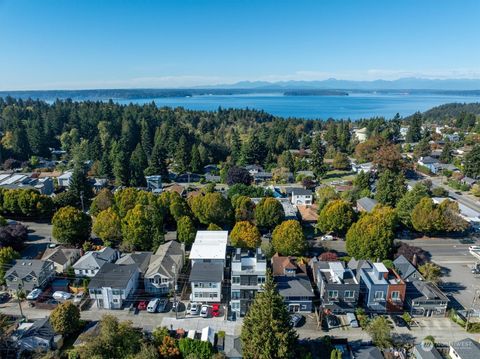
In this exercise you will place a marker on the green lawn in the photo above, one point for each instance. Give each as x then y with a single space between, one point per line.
337 175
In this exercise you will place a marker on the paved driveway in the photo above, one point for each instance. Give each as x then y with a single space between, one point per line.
39 236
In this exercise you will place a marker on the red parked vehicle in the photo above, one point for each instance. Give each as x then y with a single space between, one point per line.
142 305
215 310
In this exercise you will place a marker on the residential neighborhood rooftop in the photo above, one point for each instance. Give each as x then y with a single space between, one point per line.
209 245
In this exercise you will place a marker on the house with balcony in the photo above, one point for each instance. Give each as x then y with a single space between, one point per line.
28 274
248 275
113 284
293 283
339 289
207 258
164 266
384 289
300 196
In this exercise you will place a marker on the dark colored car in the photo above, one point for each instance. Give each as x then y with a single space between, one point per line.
232 316
296 320
142 305
4 297
399 321
332 321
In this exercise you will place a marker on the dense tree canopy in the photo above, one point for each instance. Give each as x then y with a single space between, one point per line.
71 226
288 238
372 236
336 217
269 213
245 235
65 318
107 226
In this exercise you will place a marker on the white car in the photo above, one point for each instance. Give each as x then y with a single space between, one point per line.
152 305
195 308
60 295
474 248
326 237
34 294
206 311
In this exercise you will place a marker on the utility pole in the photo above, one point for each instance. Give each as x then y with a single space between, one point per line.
469 312
174 268
19 289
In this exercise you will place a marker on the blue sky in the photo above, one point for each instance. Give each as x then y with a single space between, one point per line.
109 44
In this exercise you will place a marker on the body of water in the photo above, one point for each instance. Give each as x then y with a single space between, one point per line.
354 106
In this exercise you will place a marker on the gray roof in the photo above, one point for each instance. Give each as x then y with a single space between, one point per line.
233 346
467 348
301 192
367 203
94 259
298 286
425 291
430 353
113 275
404 268
60 254
167 255
24 267
141 259
206 272
41 328
368 353
428 160
357 265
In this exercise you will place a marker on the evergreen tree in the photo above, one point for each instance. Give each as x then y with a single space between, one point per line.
20 144
318 155
119 159
145 138
236 148
414 133
472 162
253 151
446 155
390 188
80 187
105 168
157 163
138 162
182 155
266 330
195 161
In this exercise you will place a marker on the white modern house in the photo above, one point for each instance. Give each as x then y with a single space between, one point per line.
90 263
64 179
248 276
208 262
113 284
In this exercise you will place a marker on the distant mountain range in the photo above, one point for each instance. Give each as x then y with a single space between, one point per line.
408 83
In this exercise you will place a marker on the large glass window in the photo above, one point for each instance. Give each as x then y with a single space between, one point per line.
332 294
379 295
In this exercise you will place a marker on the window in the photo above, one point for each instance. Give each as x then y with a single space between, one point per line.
236 280
235 295
116 292
235 306
396 295
349 294
379 295
261 280
332 294
115 300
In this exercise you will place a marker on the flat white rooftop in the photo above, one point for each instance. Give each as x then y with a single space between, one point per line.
209 245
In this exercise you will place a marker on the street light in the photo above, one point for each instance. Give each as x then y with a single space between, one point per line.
19 293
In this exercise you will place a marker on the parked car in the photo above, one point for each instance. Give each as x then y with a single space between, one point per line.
152 305
162 305
52 245
352 320
216 310
4 297
474 248
142 305
60 295
34 294
296 319
194 308
399 321
176 306
326 237
332 321
206 311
